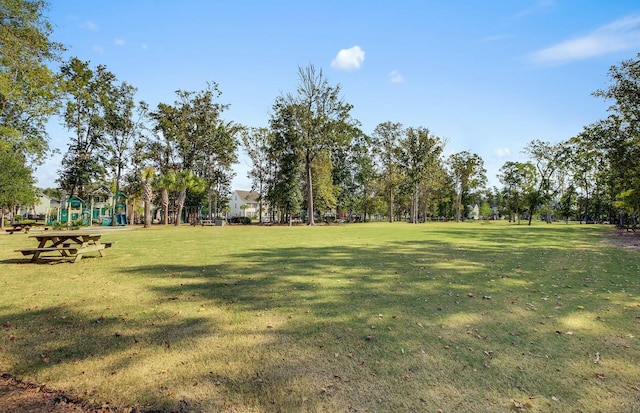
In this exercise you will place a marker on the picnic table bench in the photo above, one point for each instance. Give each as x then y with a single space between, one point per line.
66 245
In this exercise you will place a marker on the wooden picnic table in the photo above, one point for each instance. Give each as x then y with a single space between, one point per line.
26 226
71 245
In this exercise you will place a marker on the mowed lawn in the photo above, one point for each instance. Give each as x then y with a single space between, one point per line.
374 317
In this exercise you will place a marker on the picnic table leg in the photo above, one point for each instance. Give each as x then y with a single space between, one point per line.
41 244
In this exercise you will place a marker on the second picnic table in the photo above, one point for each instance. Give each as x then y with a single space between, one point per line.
70 245
26 226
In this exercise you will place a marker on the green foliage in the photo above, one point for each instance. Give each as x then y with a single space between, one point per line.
83 163
468 173
192 138
319 119
28 87
16 179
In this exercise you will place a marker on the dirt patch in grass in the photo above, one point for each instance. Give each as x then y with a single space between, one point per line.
19 397
626 240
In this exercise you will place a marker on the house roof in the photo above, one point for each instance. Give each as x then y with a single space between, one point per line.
248 196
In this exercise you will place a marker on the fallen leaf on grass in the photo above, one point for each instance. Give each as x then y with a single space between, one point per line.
600 375
519 405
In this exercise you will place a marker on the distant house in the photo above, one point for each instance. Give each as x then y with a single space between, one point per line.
44 205
474 212
244 204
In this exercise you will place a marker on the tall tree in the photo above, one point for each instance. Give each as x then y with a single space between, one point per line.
123 126
585 163
284 190
548 160
193 138
619 136
215 165
519 183
420 153
29 92
84 116
16 182
468 173
385 141
321 119
256 142
364 174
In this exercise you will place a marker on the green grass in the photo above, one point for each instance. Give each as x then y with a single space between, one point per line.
369 317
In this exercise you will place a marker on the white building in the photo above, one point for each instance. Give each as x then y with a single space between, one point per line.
244 204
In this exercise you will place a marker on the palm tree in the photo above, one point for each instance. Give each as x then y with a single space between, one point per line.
166 183
147 189
186 181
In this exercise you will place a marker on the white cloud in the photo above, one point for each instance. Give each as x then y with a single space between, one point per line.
144 46
502 153
622 34
396 77
119 42
98 49
348 59
89 25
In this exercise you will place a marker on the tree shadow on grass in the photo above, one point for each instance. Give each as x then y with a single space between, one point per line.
44 339
459 310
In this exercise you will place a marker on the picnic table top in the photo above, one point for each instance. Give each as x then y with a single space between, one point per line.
59 234
26 224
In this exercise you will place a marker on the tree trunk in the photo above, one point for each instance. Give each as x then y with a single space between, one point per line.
181 198
210 196
414 205
310 217
165 206
147 213
390 205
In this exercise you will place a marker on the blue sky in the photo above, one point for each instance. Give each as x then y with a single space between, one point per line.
489 76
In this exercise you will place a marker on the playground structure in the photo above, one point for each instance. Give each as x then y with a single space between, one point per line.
76 210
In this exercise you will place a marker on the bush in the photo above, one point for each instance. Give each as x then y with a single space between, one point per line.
59 225
246 221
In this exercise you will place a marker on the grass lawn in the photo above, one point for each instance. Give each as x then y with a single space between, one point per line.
378 317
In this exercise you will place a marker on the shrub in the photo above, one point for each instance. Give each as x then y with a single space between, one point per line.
246 221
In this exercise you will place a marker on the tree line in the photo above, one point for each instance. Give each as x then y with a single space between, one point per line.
312 161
